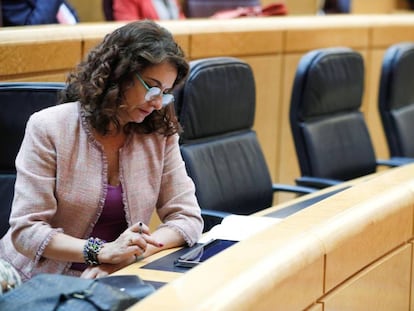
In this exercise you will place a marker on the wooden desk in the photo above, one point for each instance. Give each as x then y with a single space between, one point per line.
351 251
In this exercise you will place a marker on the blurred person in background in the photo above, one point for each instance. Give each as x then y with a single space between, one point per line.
35 12
129 10
337 6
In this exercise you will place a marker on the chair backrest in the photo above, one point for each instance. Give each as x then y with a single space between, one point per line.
17 102
396 99
329 131
6 194
206 8
216 108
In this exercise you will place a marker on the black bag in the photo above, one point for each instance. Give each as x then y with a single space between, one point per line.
48 292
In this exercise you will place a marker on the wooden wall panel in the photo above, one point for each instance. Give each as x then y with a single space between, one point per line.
38 53
372 114
89 43
38 59
383 286
307 284
88 11
235 43
301 7
309 38
50 77
369 241
368 7
267 70
382 36
289 165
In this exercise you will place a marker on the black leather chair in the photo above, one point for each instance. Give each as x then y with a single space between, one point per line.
18 101
396 101
206 8
329 131
216 108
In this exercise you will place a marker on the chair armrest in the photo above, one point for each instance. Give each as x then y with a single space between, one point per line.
395 161
293 188
317 182
212 218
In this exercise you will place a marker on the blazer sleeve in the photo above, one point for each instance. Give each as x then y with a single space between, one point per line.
177 205
34 203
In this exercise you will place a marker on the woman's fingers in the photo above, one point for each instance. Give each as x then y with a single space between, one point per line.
152 241
138 242
140 228
131 242
143 230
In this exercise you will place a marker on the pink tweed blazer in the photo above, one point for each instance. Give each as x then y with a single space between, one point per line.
60 187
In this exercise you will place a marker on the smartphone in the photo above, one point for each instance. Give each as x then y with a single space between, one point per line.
201 253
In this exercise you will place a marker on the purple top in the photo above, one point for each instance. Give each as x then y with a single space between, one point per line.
112 221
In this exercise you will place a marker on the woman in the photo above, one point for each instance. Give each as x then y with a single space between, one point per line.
91 172
129 10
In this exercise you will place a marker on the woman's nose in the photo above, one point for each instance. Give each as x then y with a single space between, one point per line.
157 103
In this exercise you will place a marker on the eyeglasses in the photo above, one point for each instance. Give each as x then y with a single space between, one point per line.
155 92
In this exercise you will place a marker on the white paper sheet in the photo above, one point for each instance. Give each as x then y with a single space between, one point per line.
238 227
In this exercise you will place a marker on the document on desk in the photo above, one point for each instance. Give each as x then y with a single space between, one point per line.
238 227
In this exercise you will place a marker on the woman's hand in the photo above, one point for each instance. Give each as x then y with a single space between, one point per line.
132 242
102 270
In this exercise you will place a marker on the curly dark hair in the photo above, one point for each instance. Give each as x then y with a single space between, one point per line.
99 82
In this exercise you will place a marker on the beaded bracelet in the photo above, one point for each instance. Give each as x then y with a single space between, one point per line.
91 250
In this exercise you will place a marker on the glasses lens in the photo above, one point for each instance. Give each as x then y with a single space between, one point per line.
167 99
153 93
